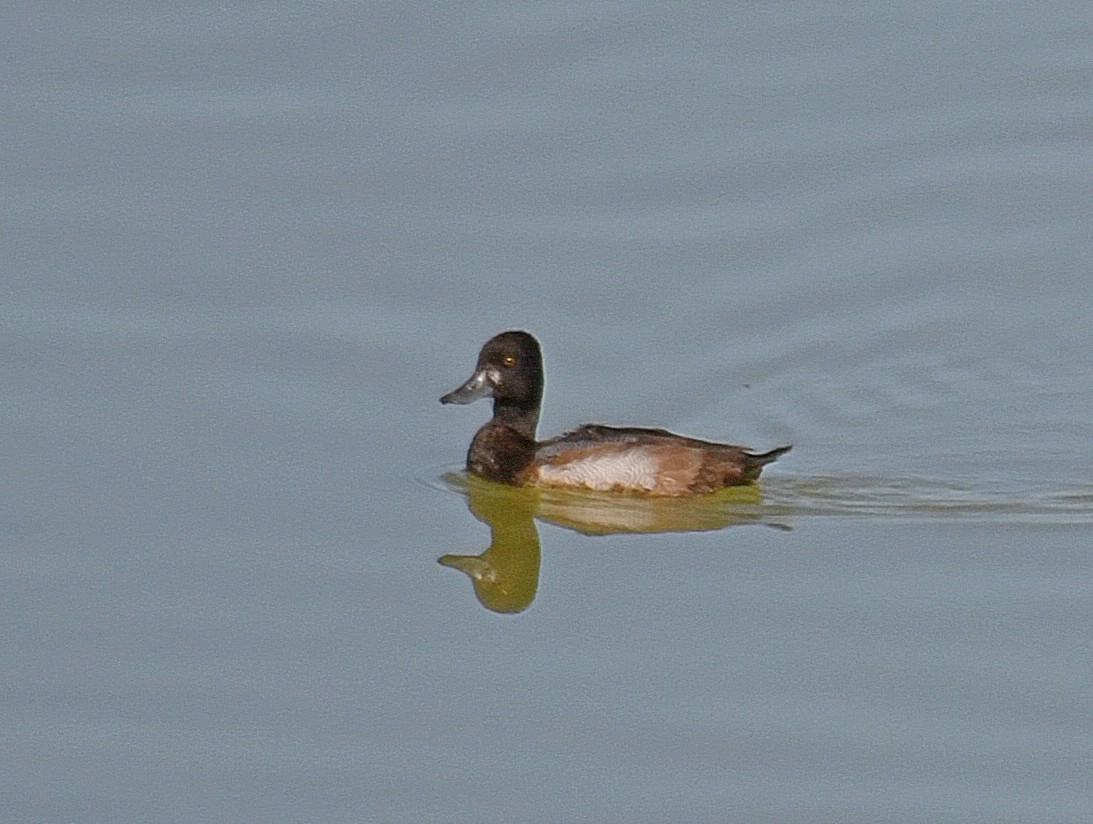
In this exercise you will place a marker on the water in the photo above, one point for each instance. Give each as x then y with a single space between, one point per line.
246 250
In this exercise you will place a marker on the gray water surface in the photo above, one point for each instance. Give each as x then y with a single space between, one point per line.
247 247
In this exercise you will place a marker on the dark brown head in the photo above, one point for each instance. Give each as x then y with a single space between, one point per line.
509 370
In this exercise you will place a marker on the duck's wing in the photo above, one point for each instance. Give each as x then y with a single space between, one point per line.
595 434
591 435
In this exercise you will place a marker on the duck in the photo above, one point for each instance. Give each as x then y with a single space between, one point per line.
624 459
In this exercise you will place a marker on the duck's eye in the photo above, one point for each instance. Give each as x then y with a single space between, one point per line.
509 360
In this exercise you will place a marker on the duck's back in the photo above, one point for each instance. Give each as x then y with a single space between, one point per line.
649 461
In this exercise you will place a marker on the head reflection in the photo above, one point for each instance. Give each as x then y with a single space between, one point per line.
506 575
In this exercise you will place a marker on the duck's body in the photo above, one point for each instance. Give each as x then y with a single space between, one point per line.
593 456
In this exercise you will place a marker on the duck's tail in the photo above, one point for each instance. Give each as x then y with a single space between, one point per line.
763 458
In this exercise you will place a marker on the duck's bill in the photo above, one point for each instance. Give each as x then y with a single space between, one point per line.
478 386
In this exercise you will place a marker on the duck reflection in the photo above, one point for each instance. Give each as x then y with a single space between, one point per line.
506 575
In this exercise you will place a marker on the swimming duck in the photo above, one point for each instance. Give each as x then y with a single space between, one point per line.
592 456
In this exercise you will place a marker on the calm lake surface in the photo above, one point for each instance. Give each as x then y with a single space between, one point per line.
248 246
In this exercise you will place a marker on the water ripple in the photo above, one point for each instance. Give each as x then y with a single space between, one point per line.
923 498
786 498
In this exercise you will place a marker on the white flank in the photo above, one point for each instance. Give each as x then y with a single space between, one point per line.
632 469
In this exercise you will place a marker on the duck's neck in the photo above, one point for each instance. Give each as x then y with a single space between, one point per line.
520 418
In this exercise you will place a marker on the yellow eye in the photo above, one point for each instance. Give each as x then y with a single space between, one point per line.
509 360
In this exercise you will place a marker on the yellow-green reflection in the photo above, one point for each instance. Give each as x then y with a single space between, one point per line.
506 575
